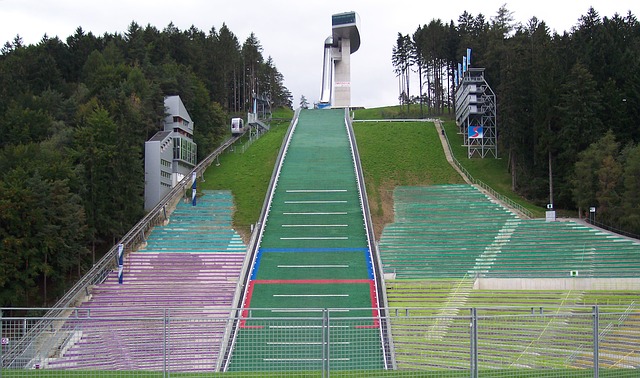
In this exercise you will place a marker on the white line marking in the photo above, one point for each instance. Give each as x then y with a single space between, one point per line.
315 201
298 310
308 310
316 190
330 213
301 359
308 295
318 238
313 266
315 225
307 343
318 326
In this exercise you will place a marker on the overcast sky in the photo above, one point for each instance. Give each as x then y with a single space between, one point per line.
291 32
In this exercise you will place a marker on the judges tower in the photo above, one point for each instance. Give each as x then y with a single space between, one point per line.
336 74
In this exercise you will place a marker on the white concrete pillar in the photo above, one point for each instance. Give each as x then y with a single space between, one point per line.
342 85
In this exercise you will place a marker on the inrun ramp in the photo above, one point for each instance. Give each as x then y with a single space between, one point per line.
312 255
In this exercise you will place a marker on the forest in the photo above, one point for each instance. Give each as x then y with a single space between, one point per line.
567 103
74 117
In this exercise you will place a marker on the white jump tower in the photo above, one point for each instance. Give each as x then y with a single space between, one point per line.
336 70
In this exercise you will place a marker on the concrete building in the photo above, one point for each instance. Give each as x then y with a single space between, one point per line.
170 154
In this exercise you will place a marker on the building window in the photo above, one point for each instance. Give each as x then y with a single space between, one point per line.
180 120
176 148
184 150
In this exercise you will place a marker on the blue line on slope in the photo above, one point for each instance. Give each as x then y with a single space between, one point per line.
314 249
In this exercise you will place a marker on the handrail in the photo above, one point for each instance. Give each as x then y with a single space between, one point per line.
385 328
99 272
500 197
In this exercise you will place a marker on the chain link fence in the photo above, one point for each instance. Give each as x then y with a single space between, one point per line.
598 341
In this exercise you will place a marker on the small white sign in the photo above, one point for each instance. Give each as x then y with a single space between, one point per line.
550 216
5 341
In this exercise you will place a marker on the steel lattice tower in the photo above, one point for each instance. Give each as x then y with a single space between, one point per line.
476 114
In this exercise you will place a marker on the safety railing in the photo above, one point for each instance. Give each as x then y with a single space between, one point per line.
231 333
387 343
555 341
500 197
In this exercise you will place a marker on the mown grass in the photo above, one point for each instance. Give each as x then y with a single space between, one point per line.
493 172
282 114
246 171
399 154
391 112
392 154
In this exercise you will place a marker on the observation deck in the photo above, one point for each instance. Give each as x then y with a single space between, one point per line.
346 26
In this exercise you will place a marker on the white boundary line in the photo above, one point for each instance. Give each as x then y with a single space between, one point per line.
320 213
315 225
313 266
308 295
317 238
315 201
316 190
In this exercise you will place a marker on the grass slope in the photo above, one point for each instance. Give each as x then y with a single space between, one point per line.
391 153
392 112
396 153
399 153
493 172
246 171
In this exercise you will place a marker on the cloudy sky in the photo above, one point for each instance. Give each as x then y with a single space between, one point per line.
291 32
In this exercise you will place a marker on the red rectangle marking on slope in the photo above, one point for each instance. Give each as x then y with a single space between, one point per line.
375 313
374 308
312 281
245 312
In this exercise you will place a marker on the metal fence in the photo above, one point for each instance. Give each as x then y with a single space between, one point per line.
598 341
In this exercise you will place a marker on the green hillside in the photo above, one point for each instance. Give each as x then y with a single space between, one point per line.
391 153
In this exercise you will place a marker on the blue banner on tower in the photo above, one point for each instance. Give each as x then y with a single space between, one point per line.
468 57
476 132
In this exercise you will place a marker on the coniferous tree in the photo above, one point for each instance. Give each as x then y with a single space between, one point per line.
75 117
556 93
402 59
